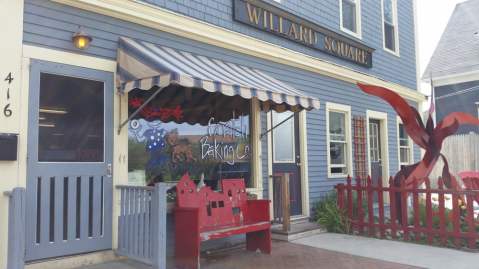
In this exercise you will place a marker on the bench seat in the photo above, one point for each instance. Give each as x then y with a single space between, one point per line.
230 231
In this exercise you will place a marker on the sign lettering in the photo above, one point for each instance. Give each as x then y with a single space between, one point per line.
7 111
269 18
223 141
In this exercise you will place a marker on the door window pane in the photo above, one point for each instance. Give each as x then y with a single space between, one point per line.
70 119
283 137
375 153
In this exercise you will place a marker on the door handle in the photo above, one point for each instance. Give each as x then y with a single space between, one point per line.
109 170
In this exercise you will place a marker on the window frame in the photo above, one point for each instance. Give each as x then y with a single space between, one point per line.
358 33
334 107
396 28
410 145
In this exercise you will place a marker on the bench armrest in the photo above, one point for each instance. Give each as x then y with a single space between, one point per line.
258 210
187 219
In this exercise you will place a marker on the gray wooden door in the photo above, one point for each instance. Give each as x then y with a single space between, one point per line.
375 153
70 148
286 159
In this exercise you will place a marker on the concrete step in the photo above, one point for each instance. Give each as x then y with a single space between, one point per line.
298 230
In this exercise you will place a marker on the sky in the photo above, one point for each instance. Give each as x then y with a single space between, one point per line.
432 16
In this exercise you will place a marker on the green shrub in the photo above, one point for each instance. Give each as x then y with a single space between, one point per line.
329 216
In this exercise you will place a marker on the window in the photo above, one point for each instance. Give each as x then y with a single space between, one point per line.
168 138
350 16
405 146
390 26
338 140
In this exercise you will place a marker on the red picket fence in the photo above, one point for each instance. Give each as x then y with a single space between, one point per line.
411 213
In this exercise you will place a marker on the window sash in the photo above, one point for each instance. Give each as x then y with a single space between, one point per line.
404 159
405 147
390 25
349 14
341 163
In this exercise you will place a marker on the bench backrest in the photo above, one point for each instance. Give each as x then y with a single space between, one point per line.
217 209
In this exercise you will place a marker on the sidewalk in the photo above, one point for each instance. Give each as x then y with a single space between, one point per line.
284 256
393 251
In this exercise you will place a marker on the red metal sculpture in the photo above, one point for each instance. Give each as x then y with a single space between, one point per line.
427 136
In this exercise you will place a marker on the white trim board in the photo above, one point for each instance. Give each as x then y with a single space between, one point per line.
454 79
181 25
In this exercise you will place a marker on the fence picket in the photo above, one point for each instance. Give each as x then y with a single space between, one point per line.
350 197
370 200
381 207
359 191
416 210
411 211
472 234
429 214
404 206
392 207
456 220
442 218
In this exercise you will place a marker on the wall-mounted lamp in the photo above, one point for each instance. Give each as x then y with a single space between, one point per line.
81 40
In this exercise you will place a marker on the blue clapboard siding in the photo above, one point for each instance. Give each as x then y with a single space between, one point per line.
326 13
463 102
51 25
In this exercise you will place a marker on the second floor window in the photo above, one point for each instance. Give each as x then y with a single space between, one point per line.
351 17
390 28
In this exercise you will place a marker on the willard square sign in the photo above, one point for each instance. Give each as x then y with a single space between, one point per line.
274 20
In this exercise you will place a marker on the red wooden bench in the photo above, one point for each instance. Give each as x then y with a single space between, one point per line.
201 215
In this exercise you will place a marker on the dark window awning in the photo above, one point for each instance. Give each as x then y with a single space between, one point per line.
145 66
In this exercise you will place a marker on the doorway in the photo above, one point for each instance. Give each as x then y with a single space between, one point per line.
286 158
69 167
377 140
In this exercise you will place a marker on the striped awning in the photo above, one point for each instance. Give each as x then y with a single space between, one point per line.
143 65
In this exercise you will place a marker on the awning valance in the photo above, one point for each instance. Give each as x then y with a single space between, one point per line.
143 65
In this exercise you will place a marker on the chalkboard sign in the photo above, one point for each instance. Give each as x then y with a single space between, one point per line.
8 147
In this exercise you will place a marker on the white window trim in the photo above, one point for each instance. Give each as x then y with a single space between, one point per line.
411 145
358 33
396 28
349 149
